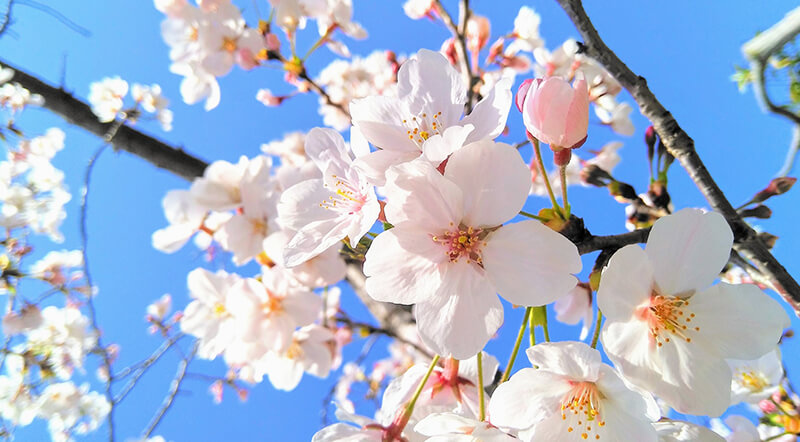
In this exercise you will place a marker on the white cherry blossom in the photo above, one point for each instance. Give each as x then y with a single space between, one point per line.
450 254
667 329
450 427
208 316
572 396
325 211
757 379
430 99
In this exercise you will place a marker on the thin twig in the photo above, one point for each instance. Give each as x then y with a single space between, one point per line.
459 35
6 21
681 146
90 296
173 392
140 368
365 351
371 329
57 15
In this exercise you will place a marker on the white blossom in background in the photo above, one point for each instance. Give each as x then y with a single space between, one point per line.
325 269
152 101
450 254
290 149
106 97
65 337
70 409
208 316
417 9
430 99
59 267
576 306
606 158
159 309
185 216
572 395
18 402
15 97
667 329
358 77
757 379
526 32
325 211
6 74
311 351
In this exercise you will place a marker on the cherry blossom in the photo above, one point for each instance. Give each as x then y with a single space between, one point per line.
449 252
667 330
451 427
106 97
555 112
430 99
757 379
677 431
325 211
572 395
309 352
208 316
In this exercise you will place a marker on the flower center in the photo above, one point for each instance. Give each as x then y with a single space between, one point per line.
219 310
581 407
295 351
228 44
345 197
668 316
751 380
423 127
463 242
272 305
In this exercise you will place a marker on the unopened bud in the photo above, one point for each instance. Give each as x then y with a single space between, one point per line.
267 98
768 239
595 176
650 139
496 49
760 211
622 190
777 186
449 50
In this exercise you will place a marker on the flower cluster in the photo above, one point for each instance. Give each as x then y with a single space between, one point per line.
107 98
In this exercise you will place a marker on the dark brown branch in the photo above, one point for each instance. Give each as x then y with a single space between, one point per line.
682 147
126 138
612 242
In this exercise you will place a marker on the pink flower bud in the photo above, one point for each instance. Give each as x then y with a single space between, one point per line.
266 97
555 112
272 41
478 29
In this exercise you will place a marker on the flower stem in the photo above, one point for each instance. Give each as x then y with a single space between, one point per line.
530 215
597 328
562 172
413 401
538 152
507 372
532 330
481 392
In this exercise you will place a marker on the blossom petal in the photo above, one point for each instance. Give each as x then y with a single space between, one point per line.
463 313
688 250
626 283
530 264
418 195
494 180
529 397
402 266
574 360
490 114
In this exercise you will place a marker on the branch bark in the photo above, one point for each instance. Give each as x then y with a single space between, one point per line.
681 146
126 138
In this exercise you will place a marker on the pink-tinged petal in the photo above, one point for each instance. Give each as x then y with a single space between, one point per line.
402 266
530 264
302 306
626 283
529 397
688 249
358 143
737 321
417 195
459 318
363 221
577 116
493 179
683 374
375 164
522 93
438 147
490 114
574 360
401 388
314 239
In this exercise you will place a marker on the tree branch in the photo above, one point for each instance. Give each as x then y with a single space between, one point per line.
681 146
126 138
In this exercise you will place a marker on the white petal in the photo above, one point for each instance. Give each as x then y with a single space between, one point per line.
688 250
494 180
418 195
490 114
402 266
529 397
737 321
460 317
530 264
574 360
626 283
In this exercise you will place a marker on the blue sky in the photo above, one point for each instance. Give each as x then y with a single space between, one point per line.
685 49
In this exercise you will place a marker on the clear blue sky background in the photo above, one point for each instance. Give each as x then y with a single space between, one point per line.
685 49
